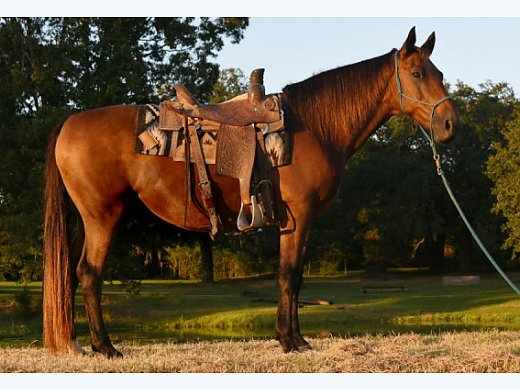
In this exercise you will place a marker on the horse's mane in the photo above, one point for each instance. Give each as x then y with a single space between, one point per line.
338 102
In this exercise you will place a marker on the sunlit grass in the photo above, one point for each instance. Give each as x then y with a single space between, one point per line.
180 310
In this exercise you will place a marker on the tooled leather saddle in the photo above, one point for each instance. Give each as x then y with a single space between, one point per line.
242 125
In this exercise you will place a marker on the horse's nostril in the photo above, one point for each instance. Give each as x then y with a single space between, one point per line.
447 125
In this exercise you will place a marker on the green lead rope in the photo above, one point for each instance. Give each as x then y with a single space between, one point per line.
440 172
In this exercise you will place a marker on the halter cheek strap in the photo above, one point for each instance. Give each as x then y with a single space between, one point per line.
403 95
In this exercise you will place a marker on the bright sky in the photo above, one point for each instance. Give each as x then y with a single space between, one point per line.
477 40
291 49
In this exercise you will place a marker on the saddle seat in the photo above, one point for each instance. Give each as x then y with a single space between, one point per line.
251 107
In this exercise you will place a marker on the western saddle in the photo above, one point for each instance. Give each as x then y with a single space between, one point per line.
242 123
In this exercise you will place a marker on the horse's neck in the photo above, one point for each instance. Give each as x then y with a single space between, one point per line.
344 107
365 132
376 112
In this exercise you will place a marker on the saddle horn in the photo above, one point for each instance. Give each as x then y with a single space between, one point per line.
257 76
256 91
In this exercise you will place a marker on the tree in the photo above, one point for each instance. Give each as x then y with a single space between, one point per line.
33 102
483 113
231 82
503 168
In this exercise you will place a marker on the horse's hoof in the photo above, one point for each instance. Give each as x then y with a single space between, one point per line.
109 351
301 343
287 344
74 349
304 346
114 354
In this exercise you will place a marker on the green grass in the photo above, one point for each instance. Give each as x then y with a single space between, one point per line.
171 310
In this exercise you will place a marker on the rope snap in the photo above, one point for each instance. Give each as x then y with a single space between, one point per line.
437 159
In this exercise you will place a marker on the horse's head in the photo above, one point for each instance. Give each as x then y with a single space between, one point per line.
420 91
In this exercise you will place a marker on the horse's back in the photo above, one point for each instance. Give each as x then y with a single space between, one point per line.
100 125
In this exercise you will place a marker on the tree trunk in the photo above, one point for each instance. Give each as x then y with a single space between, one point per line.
153 266
206 252
436 252
464 251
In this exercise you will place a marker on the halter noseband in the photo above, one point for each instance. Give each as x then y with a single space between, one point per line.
403 95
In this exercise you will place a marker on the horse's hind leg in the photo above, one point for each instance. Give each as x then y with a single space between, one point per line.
74 347
98 234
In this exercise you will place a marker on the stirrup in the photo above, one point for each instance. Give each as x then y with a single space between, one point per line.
257 219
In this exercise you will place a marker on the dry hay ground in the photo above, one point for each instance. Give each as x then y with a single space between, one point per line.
491 351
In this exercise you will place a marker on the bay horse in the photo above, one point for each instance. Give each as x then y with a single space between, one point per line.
91 161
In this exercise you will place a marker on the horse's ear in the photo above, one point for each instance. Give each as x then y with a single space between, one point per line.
409 44
428 46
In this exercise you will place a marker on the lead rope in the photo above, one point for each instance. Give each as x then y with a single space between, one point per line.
440 172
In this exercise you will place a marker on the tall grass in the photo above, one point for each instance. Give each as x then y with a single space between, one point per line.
491 351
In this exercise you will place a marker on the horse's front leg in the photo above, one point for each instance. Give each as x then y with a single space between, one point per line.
298 340
292 248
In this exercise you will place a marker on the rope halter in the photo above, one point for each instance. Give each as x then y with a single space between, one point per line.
403 95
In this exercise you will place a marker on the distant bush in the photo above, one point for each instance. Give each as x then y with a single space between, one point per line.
25 305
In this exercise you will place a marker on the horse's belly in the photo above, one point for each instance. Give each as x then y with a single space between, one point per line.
161 185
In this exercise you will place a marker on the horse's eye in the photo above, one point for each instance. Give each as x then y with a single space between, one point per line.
417 75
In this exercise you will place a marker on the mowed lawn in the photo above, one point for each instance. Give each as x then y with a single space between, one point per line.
171 311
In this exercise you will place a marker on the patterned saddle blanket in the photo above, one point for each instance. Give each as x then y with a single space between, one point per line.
154 140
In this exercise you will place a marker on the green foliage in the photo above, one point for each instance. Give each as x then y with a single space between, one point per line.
231 83
184 261
328 261
256 252
25 305
233 257
504 170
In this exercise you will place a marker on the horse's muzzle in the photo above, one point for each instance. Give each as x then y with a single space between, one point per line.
445 128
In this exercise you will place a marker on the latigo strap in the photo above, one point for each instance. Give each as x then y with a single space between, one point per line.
204 183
